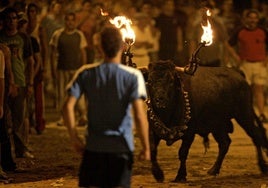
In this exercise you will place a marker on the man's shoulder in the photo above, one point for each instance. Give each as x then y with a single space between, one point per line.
18 36
58 31
129 69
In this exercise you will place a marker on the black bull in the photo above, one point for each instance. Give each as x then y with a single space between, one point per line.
181 106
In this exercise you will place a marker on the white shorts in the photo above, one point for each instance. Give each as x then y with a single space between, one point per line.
256 72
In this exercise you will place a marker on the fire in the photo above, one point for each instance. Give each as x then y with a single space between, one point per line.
124 25
207 37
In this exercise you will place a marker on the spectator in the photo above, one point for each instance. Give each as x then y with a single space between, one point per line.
230 18
251 41
22 62
33 30
50 23
111 89
144 40
68 50
3 175
148 9
5 155
171 35
6 158
86 22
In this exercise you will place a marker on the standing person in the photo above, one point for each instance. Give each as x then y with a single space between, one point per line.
68 50
22 68
86 22
52 21
144 42
3 175
251 56
171 38
111 89
33 30
6 159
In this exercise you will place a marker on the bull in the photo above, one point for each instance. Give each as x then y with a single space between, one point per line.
182 105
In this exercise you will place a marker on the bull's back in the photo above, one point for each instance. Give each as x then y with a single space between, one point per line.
218 91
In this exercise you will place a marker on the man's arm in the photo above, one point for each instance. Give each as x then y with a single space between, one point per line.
69 122
84 56
142 128
30 74
53 60
12 91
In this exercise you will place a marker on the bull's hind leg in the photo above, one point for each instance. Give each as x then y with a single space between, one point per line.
224 141
254 128
187 141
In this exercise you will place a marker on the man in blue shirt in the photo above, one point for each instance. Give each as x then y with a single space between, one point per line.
112 90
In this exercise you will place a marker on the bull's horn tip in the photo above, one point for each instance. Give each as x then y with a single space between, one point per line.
180 69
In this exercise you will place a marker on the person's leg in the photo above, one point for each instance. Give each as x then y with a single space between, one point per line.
90 172
259 80
119 170
7 162
39 106
259 96
17 106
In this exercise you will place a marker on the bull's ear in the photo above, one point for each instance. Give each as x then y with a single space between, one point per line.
144 71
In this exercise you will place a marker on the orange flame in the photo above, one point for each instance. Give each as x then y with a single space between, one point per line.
207 37
124 25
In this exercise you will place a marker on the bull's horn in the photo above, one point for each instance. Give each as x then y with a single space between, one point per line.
180 69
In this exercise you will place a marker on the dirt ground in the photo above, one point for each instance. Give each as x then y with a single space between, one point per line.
56 164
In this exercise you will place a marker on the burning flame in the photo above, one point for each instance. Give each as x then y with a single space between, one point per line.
124 25
207 36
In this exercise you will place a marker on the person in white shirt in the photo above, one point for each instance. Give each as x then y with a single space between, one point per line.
144 40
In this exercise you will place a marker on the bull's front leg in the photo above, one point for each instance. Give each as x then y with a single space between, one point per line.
187 141
156 170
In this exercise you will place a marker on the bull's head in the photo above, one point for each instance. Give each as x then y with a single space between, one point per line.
161 83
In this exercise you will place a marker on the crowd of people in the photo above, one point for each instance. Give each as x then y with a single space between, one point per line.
43 43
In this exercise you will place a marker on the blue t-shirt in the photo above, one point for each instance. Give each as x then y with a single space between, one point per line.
110 89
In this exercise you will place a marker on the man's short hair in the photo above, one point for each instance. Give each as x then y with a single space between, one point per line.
111 41
69 14
7 11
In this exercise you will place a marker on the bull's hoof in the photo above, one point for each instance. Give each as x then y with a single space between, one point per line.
264 168
180 180
213 172
158 174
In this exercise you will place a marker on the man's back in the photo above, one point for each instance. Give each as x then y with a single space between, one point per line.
110 89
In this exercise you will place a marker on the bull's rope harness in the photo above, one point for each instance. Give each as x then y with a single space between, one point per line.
170 135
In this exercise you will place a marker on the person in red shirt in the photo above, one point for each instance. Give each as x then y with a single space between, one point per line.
251 42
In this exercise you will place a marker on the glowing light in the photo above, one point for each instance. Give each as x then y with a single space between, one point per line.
207 37
124 25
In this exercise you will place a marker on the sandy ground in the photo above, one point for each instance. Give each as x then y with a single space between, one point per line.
56 164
